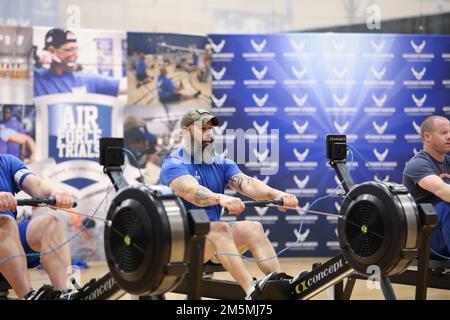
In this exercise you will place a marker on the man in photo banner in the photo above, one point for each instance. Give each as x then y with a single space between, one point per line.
199 176
64 75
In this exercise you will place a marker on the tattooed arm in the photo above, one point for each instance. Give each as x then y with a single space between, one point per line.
189 189
258 190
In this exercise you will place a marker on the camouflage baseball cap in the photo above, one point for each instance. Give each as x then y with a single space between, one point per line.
202 115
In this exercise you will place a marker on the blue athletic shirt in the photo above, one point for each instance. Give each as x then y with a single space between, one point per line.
140 67
165 87
212 176
46 82
12 174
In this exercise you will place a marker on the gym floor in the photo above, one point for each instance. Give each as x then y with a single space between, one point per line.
291 266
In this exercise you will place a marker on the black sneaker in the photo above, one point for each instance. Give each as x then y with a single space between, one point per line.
67 294
257 287
46 292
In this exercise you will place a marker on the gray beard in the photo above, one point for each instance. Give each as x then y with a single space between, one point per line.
200 154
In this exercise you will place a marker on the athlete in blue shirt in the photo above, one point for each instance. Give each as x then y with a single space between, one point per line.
11 122
142 77
61 76
199 177
427 177
168 92
39 234
8 136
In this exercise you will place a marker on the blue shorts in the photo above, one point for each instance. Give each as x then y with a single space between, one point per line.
440 240
32 261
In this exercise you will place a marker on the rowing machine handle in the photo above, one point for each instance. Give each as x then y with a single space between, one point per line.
261 203
40 201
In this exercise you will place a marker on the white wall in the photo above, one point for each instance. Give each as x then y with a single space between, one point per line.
213 16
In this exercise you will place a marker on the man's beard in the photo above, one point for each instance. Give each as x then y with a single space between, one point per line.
198 152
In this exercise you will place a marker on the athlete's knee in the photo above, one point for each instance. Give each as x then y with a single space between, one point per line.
250 228
8 227
54 225
221 228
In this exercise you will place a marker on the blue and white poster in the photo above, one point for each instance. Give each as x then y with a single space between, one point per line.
79 92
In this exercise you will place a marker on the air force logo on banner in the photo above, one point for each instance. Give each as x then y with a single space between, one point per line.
416 136
336 50
379 81
258 47
261 108
418 74
418 82
381 162
380 129
218 107
298 45
378 52
261 157
300 108
301 156
300 128
217 48
381 156
262 217
339 73
377 179
418 48
378 47
343 128
418 54
259 52
299 51
419 108
379 102
339 78
301 189
301 243
419 101
338 45
378 74
299 74
261 129
379 106
300 135
218 75
300 163
380 137
260 74
260 102
300 101
221 135
300 78
261 132
259 160
341 103
218 102
218 82
301 215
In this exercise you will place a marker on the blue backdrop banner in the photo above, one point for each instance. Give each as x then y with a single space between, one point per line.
288 91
